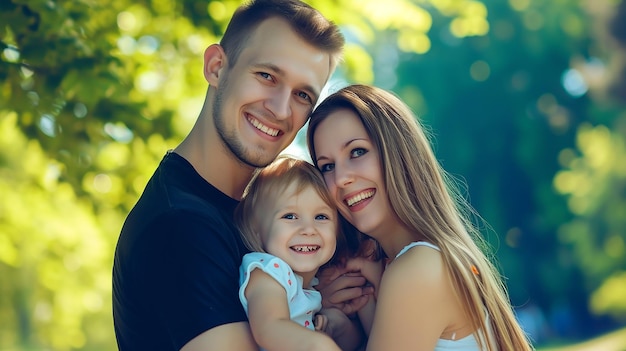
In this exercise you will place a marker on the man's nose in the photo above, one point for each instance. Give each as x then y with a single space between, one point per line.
280 104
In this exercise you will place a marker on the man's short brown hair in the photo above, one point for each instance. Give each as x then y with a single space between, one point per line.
306 21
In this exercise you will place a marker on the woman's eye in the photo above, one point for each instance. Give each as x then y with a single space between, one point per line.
358 152
305 96
326 167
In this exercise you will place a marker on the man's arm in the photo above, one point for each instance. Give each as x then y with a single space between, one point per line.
232 336
199 302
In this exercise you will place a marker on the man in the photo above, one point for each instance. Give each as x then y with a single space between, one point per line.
175 274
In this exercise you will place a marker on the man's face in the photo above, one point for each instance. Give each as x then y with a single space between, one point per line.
266 96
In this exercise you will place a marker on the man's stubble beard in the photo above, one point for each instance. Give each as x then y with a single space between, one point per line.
229 138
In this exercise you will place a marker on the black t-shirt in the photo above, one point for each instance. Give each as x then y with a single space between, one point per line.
176 267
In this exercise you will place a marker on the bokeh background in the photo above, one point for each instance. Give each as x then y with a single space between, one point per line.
525 100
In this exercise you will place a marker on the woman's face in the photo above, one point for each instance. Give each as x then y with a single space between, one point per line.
352 171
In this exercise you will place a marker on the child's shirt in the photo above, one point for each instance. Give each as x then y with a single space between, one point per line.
303 303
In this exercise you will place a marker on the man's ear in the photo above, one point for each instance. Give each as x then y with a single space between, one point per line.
214 61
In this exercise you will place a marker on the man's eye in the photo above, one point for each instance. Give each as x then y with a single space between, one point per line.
358 152
327 167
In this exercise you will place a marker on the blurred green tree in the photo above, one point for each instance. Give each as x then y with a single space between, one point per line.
593 175
506 108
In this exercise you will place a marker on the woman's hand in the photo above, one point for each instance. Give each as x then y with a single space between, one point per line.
371 270
348 288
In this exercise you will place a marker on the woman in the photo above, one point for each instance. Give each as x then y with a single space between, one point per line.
439 290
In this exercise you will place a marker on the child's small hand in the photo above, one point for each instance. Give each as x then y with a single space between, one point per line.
345 332
331 321
320 322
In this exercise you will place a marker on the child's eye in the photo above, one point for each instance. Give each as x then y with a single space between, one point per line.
326 167
321 216
289 216
358 152
265 75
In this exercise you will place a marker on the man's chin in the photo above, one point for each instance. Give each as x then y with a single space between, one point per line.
258 161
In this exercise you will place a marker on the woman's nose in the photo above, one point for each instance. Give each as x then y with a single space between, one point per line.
343 176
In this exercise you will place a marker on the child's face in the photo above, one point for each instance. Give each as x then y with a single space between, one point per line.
299 228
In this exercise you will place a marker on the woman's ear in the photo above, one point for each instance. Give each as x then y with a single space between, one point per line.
214 61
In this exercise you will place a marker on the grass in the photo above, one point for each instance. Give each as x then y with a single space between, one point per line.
613 341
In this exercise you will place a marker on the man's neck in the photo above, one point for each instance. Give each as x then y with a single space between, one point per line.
215 163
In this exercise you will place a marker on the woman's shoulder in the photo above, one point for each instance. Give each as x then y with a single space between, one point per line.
417 284
418 259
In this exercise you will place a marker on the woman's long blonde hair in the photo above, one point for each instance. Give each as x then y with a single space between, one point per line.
426 199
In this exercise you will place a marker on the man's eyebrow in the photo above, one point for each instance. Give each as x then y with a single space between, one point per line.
279 71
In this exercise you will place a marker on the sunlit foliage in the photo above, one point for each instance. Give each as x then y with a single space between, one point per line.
594 180
54 250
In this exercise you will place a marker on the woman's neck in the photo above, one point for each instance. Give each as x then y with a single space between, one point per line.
396 238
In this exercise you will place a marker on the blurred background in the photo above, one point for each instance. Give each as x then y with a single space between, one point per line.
525 100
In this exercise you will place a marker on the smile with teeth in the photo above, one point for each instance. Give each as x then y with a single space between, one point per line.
305 248
262 127
359 197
